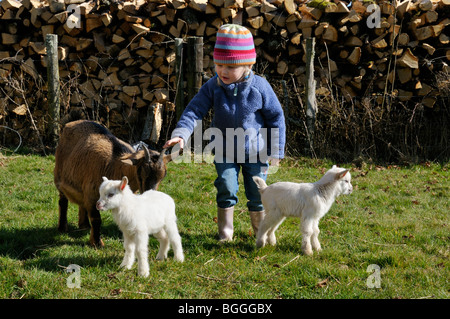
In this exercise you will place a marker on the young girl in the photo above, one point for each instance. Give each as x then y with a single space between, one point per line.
242 102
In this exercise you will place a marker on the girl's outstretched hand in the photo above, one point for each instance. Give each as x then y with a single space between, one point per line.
173 141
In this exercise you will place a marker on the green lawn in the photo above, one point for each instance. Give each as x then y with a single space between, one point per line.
397 218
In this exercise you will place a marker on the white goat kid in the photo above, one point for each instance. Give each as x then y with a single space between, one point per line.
309 201
138 216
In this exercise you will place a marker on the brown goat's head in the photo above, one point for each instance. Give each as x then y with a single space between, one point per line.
150 165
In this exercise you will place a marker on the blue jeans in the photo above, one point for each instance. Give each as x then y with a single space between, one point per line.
227 183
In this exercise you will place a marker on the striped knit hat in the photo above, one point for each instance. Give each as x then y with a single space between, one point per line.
234 46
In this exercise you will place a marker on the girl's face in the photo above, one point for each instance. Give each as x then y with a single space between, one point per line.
230 74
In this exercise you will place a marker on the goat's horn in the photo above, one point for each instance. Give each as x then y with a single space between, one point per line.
146 152
161 156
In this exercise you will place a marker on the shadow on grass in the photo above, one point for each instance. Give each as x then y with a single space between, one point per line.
194 243
26 243
38 246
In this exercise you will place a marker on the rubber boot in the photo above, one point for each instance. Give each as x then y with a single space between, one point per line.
225 223
256 218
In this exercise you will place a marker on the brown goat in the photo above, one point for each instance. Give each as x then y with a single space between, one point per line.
87 151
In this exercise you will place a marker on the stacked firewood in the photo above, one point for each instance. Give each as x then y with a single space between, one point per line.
117 58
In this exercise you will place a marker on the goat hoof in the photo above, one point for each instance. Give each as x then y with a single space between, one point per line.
260 244
144 271
308 252
161 257
179 258
97 244
126 265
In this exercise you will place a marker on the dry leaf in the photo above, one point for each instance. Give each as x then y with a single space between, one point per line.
116 292
22 283
322 283
21 110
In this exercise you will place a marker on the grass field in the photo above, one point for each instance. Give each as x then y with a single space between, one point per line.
397 219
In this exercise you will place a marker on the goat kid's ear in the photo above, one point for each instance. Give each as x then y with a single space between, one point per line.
104 178
341 174
123 183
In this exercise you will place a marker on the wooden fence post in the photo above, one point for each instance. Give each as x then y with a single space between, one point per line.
51 43
311 104
179 68
194 65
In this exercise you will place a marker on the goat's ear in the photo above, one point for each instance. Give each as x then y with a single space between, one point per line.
341 174
132 159
334 166
123 183
127 161
104 178
140 157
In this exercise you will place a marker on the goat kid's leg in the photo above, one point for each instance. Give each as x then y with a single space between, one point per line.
164 244
307 232
315 236
130 246
96 222
271 238
141 239
267 228
175 241
264 227
63 204
261 236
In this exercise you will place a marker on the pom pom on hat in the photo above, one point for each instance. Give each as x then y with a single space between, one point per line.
234 46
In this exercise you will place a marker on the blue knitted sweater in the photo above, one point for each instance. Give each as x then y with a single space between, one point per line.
250 106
